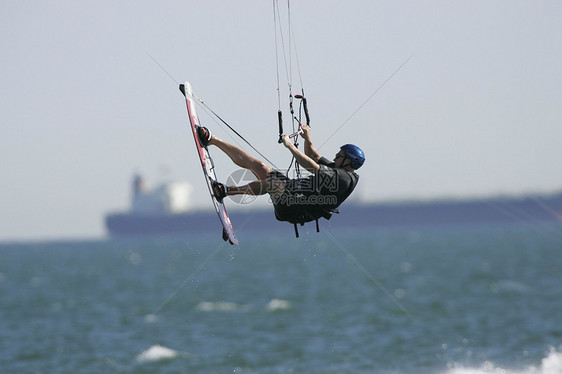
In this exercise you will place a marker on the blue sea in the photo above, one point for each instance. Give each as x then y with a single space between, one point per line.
451 300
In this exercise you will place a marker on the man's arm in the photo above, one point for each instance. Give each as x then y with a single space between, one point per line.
309 148
302 159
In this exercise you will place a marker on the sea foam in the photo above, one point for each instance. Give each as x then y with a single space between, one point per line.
158 353
551 364
278 304
220 306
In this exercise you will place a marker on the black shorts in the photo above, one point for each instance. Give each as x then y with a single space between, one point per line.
284 205
293 204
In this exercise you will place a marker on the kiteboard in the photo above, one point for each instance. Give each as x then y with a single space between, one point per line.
207 164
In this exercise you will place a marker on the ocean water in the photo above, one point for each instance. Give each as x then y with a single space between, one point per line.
455 300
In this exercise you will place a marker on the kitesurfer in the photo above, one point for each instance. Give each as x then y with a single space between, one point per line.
295 200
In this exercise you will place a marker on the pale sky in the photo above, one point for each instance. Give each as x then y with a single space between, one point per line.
476 111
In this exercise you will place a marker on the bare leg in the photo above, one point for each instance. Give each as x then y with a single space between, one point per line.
271 185
258 187
264 184
242 159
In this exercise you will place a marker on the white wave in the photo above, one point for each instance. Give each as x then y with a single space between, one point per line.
509 286
221 306
151 318
551 364
158 353
278 304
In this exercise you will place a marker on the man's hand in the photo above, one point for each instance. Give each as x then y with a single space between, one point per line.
305 130
286 141
302 159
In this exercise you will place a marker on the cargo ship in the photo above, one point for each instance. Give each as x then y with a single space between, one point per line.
166 210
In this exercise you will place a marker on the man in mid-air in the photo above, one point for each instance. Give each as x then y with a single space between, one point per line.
294 200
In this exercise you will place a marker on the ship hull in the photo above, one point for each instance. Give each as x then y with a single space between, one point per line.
535 209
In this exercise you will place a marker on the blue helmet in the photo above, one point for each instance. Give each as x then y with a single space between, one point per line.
354 154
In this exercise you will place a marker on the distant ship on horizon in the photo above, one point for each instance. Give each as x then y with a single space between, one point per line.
166 210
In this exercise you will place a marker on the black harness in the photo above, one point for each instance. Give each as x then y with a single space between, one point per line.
309 213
